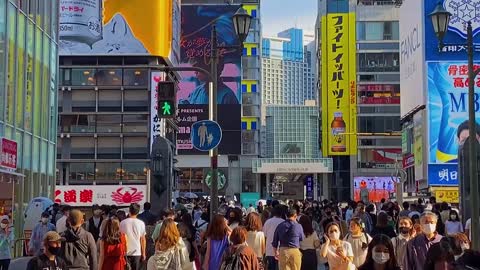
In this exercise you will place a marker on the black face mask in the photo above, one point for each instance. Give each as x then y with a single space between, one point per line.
404 230
54 250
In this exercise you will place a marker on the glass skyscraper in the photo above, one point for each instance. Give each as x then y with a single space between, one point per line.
28 101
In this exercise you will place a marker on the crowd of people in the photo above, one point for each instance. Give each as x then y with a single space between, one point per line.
297 235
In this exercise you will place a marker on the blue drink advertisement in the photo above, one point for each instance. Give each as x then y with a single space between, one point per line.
448 108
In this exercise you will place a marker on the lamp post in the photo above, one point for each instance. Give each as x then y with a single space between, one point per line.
440 19
241 22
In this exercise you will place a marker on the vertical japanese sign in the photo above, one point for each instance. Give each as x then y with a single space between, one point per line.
339 98
8 151
156 123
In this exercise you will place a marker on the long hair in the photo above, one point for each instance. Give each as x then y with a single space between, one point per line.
169 235
111 231
217 229
441 251
380 239
306 223
253 222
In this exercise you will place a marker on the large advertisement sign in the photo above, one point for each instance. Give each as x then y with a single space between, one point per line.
197 22
462 11
8 154
108 194
111 27
447 194
339 98
412 56
373 189
448 117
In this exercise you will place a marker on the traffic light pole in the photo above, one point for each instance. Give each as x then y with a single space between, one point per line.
212 93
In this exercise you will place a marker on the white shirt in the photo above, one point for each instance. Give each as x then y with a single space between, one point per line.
256 240
468 226
61 224
269 229
250 210
309 242
133 228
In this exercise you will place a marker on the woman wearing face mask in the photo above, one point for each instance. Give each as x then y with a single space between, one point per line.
359 241
339 253
6 241
453 224
380 255
405 233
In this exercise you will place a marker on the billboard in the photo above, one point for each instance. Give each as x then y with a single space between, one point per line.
8 154
443 174
373 189
446 194
88 195
462 11
339 93
112 27
412 56
192 95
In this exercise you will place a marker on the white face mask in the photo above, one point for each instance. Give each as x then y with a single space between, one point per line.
380 257
429 228
334 236
3 225
44 220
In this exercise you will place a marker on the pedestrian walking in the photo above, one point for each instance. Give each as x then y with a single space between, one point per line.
440 256
147 216
135 231
6 240
113 247
453 225
217 242
239 255
339 253
36 243
255 236
79 250
309 245
405 233
170 253
380 255
288 236
359 241
269 230
94 223
383 227
49 259
61 225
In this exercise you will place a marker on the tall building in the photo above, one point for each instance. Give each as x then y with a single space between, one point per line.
28 98
377 133
239 116
287 69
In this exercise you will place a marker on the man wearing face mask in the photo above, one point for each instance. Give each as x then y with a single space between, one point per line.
38 233
49 260
94 223
418 247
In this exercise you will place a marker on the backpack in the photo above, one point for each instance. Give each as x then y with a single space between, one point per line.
232 261
168 260
197 231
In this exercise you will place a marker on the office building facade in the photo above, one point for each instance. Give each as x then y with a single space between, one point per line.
28 98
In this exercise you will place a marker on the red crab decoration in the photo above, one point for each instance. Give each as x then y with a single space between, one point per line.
126 197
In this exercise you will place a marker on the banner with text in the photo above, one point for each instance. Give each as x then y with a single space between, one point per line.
339 93
108 194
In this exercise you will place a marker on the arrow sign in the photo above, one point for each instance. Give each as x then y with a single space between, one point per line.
206 135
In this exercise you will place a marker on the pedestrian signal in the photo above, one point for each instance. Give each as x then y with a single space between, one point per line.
166 105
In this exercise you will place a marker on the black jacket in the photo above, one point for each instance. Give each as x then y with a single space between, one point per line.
43 263
79 250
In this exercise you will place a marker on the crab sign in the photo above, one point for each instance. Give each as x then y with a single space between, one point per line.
125 197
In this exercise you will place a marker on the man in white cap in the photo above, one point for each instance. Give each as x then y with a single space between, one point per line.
49 259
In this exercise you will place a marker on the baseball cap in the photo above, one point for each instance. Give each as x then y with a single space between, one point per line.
52 236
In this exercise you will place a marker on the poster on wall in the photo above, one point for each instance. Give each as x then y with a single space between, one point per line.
111 27
373 189
339 94
192 96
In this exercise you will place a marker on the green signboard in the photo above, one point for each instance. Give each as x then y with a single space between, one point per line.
247 198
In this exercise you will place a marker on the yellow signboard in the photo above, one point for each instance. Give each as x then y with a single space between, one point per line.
339 89
446 194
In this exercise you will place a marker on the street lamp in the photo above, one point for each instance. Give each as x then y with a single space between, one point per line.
440 19
241 22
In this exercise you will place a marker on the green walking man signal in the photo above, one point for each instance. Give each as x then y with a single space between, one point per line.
166 106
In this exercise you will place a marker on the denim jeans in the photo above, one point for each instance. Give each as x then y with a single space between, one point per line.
272 263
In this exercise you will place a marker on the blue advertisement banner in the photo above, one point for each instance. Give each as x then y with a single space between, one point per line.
443 174
448 109
455 39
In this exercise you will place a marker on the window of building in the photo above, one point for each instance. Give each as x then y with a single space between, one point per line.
249 183
135 77
135 147
79 77
136 101
133 123
110 101
82 172
83 101
82 148
109 77
378 124
79 123
386 30
110 172
108 148
109 123
135 171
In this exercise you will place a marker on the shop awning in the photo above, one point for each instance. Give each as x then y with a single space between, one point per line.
10 176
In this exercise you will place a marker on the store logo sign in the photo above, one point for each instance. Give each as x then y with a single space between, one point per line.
462 12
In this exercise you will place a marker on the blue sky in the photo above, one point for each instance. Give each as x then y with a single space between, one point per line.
278 15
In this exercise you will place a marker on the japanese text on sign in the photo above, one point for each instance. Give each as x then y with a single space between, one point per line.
446 176
8 153
459 74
